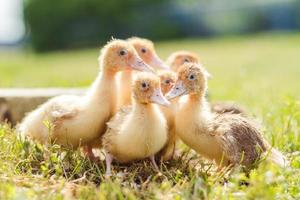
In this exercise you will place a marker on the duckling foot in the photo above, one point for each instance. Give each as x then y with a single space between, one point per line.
88 151
108 160
152 158
167 153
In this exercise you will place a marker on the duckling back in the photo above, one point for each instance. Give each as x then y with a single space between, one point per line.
240 139
40 123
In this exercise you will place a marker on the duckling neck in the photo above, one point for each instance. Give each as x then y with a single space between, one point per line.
103 90
192 121
194 100
194 108
124 85
202 105
143 108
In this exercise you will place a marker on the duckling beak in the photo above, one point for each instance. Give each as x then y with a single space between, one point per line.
140 65
158 97
158 63
177 90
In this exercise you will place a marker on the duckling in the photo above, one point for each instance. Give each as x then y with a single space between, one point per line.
167 80
176 59
145 49
80 120
140 131
228 139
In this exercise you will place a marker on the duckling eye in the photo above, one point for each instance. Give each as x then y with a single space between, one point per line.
191 77
143 50
122 52
144 85
186 60
167 81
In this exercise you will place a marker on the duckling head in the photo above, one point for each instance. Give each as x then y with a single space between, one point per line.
119 55
167 80
178 58
191 79
145 49
146 89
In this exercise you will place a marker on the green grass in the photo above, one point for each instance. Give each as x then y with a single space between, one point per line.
259 72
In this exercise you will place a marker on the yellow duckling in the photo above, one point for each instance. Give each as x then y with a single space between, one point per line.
145 49
228 139
176 59
139 131
76 121
167 80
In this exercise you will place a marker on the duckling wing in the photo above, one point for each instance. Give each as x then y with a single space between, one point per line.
240 139
63 107
113 128
62 114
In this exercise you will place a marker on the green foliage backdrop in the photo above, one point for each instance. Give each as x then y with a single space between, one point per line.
61 24
56 24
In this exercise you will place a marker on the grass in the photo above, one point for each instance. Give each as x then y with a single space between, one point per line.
259 72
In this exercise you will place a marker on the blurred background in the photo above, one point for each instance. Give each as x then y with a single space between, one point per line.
47 25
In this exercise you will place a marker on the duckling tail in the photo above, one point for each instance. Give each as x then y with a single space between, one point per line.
278 158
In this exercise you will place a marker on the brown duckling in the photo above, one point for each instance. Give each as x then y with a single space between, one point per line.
228 139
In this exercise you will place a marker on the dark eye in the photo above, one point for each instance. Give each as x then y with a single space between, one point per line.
122 52
186 60
143 50
167 81
144 85
191 77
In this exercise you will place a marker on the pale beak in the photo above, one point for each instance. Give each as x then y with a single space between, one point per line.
158 63
177 90
140 65
158 97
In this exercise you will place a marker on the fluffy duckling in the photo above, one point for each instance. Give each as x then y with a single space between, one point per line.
76 121
167 80
139 131
176 59
145 49
228 139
